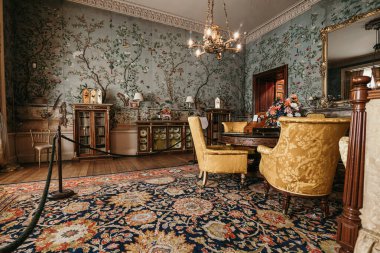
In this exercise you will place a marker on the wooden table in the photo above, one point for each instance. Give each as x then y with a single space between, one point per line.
249 140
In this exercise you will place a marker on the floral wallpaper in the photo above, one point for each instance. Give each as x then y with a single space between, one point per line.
297 43
60 48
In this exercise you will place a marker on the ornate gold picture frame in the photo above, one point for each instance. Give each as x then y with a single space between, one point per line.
324 37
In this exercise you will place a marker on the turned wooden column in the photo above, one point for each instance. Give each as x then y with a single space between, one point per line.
349 222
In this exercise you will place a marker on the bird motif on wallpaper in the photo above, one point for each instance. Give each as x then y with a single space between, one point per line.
123 98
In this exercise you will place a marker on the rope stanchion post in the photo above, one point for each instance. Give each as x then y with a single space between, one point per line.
61 193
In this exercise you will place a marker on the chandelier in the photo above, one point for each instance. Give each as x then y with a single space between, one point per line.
213 41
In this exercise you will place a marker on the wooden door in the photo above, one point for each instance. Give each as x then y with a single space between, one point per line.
265 94
267 86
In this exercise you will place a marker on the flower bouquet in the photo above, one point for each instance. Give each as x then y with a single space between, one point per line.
166 113
290 108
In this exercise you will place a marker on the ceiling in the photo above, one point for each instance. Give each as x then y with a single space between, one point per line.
243 15
352 41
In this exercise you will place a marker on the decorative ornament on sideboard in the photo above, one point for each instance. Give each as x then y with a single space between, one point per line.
213 41
375 25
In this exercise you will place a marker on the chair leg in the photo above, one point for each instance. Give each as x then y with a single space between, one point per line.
204 178
242 179
266 188
200 174
39 158
285 203
325 207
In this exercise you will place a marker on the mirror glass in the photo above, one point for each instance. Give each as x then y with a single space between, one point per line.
350 53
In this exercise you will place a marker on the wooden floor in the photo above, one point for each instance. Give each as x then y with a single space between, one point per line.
31 172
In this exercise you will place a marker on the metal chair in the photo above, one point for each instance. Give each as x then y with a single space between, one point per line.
41 142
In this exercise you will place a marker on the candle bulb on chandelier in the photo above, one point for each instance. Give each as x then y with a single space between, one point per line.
238 47
190 43
236 35
198 52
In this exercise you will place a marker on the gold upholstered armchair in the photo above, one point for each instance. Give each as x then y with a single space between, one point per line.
234 127
216 159
304 161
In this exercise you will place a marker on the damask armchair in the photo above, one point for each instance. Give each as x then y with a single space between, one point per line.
234 127
304 161
216 159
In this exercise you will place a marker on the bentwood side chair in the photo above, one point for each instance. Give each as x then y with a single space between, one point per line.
40 143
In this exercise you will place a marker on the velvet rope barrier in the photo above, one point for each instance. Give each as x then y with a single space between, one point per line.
29 229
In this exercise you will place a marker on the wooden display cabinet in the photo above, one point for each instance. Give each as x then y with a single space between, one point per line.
157 135
215 117
91 128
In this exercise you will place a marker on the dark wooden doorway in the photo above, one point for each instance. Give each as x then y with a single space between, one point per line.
267 86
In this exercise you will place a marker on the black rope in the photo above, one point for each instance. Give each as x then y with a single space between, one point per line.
29 229
123 155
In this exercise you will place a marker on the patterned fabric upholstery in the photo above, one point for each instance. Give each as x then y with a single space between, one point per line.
343 148
305 158
216 159
315 115
234 127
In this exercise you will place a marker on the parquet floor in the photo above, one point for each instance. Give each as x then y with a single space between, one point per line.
31 172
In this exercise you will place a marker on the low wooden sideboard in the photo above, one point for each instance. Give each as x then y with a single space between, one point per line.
158 135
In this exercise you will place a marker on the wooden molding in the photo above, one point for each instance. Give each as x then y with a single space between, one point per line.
374 94
282 18
139 11
349 222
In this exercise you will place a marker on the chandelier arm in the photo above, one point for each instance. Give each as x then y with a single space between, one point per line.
225 13
212 12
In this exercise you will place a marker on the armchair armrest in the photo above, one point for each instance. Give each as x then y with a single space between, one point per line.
264 150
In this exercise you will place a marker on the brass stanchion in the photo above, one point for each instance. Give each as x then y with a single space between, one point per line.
61 193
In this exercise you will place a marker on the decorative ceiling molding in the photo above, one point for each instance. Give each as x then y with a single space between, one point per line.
124 7
280 19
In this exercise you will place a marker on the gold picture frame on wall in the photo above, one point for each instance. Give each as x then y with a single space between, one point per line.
324 37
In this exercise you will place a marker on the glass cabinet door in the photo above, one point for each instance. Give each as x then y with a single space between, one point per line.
159 138
100 131
84 132
175 136
189 141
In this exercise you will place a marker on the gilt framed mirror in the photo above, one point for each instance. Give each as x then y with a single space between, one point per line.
348 51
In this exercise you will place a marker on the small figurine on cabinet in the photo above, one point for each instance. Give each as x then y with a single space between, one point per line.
85 96
99 99
217 103
93 97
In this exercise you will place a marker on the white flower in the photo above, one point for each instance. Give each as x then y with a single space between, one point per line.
289 115
293 105
297 114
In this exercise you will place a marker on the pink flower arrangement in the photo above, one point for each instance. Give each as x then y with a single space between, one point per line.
291 107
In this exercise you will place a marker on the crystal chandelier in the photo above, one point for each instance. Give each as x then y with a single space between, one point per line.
213 41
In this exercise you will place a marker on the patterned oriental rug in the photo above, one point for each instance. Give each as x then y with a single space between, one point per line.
166 210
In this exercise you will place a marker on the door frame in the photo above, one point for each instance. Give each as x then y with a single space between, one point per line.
272 72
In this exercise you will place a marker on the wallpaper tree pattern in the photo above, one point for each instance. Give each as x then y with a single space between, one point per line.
298 44
62 47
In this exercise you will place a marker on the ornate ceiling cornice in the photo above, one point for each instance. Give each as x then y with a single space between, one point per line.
280 19
124 7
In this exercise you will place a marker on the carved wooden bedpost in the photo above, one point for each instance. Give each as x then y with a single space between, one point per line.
349 222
